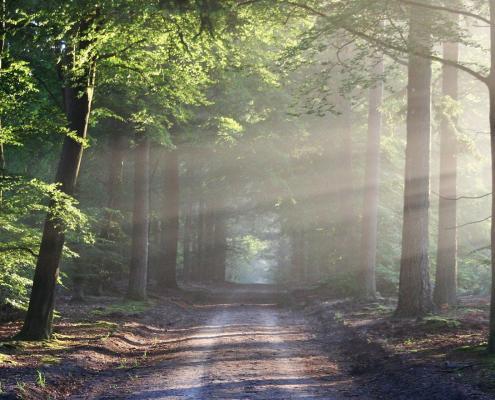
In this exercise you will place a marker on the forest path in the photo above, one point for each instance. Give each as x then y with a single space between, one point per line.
242 351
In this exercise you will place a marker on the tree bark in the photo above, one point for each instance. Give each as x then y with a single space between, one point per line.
138 274
445 292
3 40
38 322
297 255
220 247
170 221
201 244
491 91
414 282
208 237
188 245
371 189
117 146
346 240
196 243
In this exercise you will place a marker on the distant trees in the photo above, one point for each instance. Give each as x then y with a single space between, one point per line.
241 106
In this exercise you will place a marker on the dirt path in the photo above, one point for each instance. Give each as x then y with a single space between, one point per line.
239 351
242 342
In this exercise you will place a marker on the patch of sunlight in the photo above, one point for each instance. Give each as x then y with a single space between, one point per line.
50 360
7 359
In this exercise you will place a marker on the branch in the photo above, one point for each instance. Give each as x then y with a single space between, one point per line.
124 49
50 93
446 9
463 197
469 223
381 44
480 249
18 248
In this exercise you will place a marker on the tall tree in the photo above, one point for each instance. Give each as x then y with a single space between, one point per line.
414 283
138 273
3 42
490 81
220 245
446 273
78 95
371 188
170 220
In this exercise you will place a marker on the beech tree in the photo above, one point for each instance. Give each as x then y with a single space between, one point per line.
78 86
446 272
138 271
371 188
170 220
414 285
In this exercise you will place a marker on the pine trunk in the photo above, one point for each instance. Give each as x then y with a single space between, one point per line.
138 273
445 292
414 281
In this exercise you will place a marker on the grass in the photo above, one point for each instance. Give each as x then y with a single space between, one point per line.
125 308
50 360
435 322
40 379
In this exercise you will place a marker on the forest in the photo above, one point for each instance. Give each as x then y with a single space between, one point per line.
247 199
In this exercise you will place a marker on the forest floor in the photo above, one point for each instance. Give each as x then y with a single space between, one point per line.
250 342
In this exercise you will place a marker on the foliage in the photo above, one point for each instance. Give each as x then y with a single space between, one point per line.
24 204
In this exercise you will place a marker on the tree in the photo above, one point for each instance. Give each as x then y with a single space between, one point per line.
170 221
371 187
446 272
414 284
78 96
138 271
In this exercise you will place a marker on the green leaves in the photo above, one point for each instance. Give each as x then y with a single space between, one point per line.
23 206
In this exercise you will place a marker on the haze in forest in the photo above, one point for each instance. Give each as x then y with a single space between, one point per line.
326 164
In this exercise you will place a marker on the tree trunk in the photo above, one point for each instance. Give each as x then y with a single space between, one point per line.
3 40
188 237
38 322
196 243
138 274
208 259
117 145
345 241
220 247
297 255
371 190
446 273
170 221
491 91
414 282
201 245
